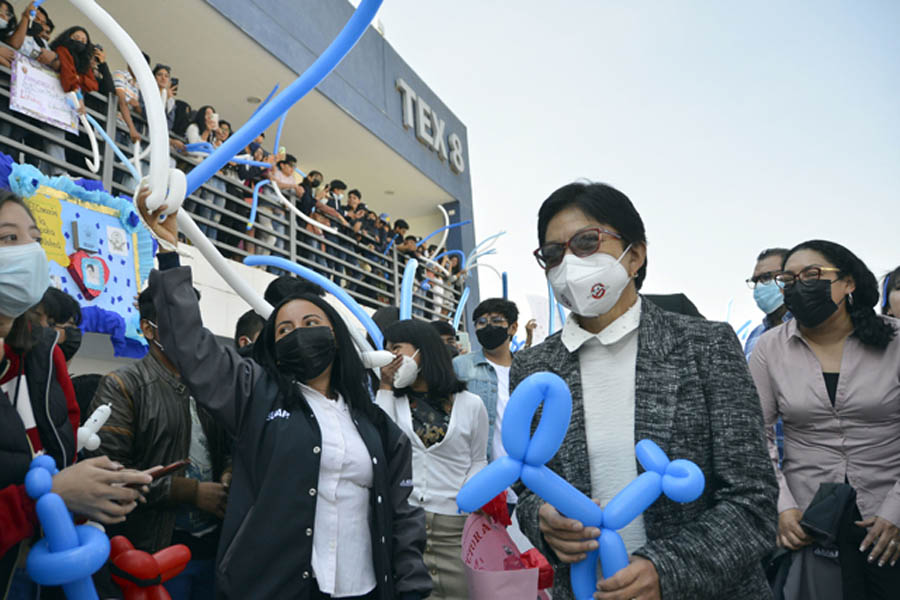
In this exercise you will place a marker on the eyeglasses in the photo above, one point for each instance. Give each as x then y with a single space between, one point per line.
484 321
584 243
807 275
762 278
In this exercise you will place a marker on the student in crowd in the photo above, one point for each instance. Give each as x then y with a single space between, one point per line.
303 420
767 295
399 231
31 40
635 372
38 411
486 371
448 428
890 303
448 336
831 375
156 421
62 312
334 197
129 98
247 330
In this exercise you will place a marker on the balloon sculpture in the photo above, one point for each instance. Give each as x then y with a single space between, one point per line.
680 480
141 574
67 555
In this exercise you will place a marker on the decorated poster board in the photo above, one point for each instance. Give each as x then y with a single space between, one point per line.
99 252
35 91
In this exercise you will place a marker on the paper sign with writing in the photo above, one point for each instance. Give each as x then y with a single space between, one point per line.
35 91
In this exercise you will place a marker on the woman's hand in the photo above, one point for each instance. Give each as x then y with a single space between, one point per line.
134 135
387 373
100 55
638 581
884 536
165 230
26 13
96 489
790 534
570 540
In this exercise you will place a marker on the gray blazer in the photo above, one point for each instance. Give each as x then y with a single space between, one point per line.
695 398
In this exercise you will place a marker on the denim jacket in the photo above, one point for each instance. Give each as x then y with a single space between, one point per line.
481 380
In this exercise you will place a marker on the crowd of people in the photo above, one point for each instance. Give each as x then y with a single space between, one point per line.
305 475
356 257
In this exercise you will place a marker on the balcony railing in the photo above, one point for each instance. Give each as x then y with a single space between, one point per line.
221 207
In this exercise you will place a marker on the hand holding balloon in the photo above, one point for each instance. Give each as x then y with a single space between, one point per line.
167 229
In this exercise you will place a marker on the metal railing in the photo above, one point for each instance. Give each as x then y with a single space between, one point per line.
221 208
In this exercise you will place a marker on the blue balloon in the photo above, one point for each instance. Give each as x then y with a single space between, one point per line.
278 133
633 500
114 146
487 483
461 307
681 480
406 288
459 253
440 229
388 248
327 61
266 101
253 207
67 555
346 299
505 280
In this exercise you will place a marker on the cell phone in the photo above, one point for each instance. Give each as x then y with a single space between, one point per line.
160 472
98 47
174 82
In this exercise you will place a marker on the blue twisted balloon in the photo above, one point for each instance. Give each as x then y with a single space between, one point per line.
67 555
680 480
460 308
329 286
406 288
327 61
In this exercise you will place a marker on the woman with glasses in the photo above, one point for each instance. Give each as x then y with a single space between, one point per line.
635 372
448 428
833 376
890 299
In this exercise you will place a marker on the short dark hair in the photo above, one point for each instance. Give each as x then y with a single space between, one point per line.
443 327
508 309
337 184
160 67
311 173
356 193
603 203
288 285
871 329
60 306
290 158
436 365
782 252
411 237
401 224
248 325
891 283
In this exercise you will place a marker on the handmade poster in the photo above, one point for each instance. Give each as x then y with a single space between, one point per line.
35 91
99 252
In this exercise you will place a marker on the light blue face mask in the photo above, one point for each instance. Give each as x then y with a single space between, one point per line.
24 277
768 297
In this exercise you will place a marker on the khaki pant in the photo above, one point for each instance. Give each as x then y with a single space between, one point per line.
443 548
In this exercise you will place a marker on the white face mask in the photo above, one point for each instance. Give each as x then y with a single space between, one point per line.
589 286
24 277
407 372
4 23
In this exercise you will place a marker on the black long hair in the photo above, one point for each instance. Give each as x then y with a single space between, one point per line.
871 329
348 376
82 59
891 283
199 118
436 365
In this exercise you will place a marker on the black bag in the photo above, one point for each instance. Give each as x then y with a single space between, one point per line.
822 519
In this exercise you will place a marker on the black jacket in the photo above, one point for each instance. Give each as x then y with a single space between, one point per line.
266 545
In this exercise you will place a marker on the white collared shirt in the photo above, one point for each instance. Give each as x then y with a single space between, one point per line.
440 470
342 543
607 362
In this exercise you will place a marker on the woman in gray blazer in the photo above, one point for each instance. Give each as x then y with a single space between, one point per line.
635 372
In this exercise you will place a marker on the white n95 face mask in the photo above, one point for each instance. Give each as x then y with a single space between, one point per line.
407 372
589 286
24 277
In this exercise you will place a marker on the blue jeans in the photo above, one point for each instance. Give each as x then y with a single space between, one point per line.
196 582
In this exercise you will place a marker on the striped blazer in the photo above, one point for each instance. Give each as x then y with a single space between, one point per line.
695 398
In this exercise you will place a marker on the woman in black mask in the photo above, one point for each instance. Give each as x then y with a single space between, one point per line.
318 501
448 428
74 49
832 375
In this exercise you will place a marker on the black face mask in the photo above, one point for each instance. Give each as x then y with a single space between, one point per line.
492 336
76 47
453 350
305 352
35 30
72 343
810 303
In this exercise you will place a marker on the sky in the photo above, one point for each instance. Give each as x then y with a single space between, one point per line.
732 126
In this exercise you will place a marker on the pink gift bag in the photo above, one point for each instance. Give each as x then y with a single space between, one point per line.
495 569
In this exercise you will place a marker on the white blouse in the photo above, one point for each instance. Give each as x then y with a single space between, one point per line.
342 542
440 470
